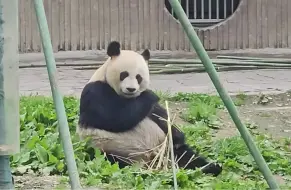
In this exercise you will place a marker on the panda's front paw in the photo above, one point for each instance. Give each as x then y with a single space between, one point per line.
149 96
212 168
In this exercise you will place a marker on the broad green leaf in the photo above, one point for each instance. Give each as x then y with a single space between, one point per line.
52 159
41 153
24 157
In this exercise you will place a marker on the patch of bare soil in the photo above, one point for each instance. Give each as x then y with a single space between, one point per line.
270 114
32 182
176 110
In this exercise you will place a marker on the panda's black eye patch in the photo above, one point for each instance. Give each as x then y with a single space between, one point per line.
123 75
138 78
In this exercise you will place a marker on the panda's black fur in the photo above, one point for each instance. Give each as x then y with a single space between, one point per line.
102 108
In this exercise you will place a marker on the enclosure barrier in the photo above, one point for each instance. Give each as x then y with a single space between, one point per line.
58 101
202 54
9 97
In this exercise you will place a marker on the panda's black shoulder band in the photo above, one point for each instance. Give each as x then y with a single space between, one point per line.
102 108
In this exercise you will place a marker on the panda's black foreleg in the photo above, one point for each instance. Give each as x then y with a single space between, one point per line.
189 159
114 159
109 157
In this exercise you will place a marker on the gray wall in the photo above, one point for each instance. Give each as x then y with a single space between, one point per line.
139 24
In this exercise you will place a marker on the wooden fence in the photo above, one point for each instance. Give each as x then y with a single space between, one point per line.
139 24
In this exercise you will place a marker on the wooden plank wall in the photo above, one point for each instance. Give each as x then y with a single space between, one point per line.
139 24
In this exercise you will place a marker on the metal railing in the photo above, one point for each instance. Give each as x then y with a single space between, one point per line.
206 12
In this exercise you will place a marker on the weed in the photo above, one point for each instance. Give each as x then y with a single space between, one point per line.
201 108
42 153
193 97
240 99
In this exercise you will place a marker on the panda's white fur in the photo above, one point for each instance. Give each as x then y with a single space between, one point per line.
99 74
138 144
134 64
147 135
125 57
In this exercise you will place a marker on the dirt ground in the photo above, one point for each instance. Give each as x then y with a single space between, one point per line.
36 182
270 114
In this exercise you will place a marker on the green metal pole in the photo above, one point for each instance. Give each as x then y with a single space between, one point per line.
5 172
202 54
58 101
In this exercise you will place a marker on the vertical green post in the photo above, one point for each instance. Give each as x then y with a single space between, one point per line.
5 172
202 54
58 101
9 98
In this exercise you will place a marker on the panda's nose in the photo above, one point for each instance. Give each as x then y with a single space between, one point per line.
130 89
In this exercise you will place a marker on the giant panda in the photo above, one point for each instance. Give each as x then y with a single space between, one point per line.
123 117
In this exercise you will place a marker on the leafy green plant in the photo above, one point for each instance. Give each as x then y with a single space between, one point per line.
204 109
42 153
193 97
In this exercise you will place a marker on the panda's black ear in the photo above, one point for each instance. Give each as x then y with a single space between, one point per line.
146 54
113 49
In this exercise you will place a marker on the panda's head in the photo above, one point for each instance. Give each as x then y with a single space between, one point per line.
127 71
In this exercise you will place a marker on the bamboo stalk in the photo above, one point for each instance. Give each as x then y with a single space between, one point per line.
96 67
61 65
199 70
207 62
254 64
259 59
177 65
178 71
180 66
57 97
237 57
217 62
187 62
196 69
171 147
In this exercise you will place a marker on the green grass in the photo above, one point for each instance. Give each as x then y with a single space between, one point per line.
41 151
240 99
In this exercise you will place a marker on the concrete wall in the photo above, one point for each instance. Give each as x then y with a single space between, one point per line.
139 24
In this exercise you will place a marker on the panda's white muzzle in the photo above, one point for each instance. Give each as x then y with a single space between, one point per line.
130 94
